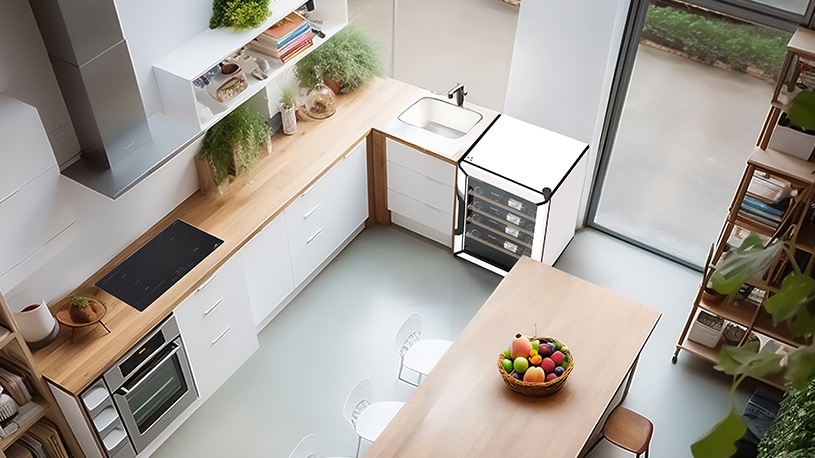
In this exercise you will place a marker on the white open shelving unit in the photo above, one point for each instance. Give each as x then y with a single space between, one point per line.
176 72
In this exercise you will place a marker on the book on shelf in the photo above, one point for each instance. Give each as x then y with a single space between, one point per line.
759 219
750 212
295 52
769 189
285 28
757 204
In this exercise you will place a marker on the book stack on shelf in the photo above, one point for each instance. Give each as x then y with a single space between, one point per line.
766 201
286 39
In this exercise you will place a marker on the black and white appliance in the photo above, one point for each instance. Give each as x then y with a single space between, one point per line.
152 384
518 193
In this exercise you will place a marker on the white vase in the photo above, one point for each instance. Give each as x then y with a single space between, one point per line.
35 321
289 119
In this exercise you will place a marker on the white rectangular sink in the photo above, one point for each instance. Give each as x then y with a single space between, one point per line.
441 118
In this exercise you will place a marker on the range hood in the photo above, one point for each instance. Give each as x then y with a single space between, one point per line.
92 64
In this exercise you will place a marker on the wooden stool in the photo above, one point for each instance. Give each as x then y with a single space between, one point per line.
629 430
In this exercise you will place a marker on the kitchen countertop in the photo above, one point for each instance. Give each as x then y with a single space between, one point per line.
459 405
295 163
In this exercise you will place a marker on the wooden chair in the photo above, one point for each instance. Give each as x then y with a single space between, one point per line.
629 430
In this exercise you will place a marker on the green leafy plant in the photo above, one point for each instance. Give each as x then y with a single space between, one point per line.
351 58
79 301
234 142
792 433
239 14
793 303
287 97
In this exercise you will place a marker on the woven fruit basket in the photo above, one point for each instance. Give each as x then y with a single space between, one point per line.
538 389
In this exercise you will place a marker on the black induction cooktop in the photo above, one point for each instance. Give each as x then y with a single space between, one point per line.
159 264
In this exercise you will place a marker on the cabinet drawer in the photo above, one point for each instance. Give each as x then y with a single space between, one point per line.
420 212
301 233
311 204
417 161
224 356
421 187
215 320
209 292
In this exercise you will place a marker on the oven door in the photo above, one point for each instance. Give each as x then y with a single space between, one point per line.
156 394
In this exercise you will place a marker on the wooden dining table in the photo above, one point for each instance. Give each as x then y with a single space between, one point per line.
463 408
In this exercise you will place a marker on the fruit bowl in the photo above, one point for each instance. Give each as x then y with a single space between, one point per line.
537 388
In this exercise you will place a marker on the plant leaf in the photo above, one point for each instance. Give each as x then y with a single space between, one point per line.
749 259
796 291
800 367
747 360
720 441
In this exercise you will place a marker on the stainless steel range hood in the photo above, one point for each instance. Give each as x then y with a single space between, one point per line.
92 64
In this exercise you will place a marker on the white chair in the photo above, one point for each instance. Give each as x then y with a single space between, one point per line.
368 418
309 447
417 355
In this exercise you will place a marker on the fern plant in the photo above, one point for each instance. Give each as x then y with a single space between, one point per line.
351 58
239 14
234 143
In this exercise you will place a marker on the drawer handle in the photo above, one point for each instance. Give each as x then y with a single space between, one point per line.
313 236
213 307
221 336
311 212
308 190
433 180
432 208
204 285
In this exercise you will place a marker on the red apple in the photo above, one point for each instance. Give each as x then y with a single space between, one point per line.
520 346
534 374
557 357
548 365
550 377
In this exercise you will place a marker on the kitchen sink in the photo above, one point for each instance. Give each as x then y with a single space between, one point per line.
440 117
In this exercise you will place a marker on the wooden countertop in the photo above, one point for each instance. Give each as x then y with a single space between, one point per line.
248 205
463 408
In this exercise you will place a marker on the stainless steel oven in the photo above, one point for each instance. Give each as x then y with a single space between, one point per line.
152 384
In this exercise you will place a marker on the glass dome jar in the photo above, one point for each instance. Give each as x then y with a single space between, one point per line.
320 101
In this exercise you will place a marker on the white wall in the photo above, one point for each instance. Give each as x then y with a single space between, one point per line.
562 65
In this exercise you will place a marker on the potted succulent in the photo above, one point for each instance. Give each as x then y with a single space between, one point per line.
83 309
232 145
239 14
288 110
347 60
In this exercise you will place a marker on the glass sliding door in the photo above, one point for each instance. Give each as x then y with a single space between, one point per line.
699 85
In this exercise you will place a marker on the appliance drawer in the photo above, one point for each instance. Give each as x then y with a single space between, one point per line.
417 161
225 355
209 327
200 302
421 212
421 187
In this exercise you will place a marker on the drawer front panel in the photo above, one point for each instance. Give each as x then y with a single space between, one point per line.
420 212
422 163
223 311
195 306
303 232
222 358
421 187
313 201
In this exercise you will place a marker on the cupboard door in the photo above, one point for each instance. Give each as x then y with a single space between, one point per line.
268 269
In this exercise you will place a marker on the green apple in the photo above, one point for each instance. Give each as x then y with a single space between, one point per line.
536 344
508 366
506 352
520 364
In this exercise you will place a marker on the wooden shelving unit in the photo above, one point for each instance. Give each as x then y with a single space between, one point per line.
13 348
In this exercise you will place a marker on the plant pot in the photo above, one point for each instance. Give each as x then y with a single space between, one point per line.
332 84
289 118
88 314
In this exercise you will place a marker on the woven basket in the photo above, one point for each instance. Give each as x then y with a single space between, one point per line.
537 389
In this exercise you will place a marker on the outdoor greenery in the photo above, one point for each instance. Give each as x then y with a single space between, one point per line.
792 433
234 142
239 14
735 44
351 58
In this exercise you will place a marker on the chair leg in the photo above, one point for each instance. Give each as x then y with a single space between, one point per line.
359 442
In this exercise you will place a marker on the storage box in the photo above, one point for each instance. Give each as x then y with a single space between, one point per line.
706 329
788 140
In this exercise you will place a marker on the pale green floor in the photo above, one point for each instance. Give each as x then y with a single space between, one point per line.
341 328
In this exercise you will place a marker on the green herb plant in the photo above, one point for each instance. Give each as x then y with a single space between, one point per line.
79 301
794 303
234 143
351 58
792 432
287 97
239 14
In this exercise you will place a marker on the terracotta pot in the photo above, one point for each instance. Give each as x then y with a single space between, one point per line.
87 314
332 84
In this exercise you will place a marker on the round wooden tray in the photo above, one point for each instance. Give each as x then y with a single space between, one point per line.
63 315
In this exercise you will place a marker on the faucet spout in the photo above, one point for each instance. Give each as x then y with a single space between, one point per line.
459 93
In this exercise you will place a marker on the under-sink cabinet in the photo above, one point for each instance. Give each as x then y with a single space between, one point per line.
421 192
217 327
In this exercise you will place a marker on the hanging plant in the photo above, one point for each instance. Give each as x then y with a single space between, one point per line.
239 14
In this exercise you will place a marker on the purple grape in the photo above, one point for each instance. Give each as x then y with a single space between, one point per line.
559 370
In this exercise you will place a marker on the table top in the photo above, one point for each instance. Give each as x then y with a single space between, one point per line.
463 408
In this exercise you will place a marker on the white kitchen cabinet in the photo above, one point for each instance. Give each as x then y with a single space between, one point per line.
38 220
267 267
176 72
217 327
328 213
421 192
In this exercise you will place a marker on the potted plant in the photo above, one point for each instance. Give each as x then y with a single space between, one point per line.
232 145
792 432
83 309
348 60
288 110
239 14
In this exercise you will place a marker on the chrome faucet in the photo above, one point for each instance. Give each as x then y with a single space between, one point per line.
457 91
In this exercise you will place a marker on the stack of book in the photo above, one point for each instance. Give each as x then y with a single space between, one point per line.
286 39
767 213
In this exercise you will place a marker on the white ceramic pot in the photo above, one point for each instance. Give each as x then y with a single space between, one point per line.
289 119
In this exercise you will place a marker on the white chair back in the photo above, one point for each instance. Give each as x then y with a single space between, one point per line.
408 334
309 447
358 400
